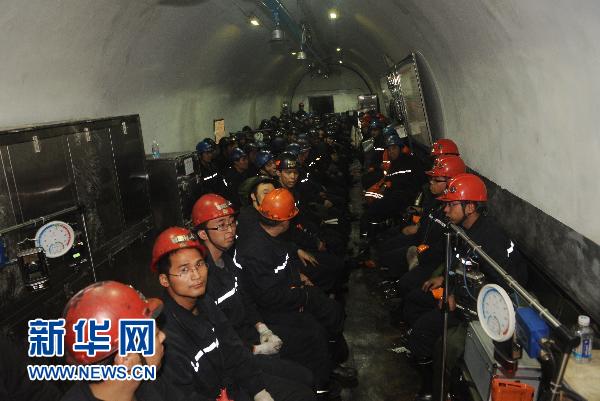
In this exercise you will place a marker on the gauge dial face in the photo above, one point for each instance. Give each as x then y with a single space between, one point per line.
496 312
56 238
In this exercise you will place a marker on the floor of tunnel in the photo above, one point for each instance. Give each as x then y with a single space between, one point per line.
384 374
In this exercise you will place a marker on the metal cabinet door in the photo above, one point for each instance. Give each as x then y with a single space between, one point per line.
131 171
96 183
43 181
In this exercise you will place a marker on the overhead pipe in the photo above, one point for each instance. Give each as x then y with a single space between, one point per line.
285 19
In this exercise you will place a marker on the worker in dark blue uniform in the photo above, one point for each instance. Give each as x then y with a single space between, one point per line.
399 187
205 355
212 179
465 205
215 224
273 279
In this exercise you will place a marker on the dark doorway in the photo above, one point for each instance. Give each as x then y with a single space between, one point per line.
320 104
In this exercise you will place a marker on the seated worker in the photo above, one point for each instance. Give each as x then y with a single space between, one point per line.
273 280
205 355
110 300
312 215
323 268
214 222
212 180
373 157
400 186
423 243
465 202
252 150
236 174
222 159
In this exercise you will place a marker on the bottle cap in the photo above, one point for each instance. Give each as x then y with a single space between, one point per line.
583 320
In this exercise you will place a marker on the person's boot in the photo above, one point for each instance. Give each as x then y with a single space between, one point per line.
425 369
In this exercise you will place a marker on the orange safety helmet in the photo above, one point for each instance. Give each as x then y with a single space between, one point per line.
447 166
105 300
172 239
444 147
278 205
465 187
210 206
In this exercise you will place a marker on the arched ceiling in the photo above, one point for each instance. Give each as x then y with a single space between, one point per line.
516 80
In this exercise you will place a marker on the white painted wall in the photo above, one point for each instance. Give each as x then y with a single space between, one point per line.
518 80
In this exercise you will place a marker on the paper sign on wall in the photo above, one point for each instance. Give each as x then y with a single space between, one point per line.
219 129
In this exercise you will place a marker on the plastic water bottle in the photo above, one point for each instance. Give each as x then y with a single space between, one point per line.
583 352
155 150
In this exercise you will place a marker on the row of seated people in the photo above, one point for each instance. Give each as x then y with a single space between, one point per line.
410 255
253 304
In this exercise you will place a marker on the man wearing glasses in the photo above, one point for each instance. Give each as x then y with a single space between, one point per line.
214 221
205 358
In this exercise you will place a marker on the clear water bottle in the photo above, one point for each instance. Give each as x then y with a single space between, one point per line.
155 150
583 352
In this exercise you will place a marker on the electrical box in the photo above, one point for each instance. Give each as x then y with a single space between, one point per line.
175 185
479 359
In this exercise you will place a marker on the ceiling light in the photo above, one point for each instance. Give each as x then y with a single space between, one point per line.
293 53
277 34
333 14
338 49
341 62
254 21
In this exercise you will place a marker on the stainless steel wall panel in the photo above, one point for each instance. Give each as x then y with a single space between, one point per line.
43 179
96 184
7 212
128 147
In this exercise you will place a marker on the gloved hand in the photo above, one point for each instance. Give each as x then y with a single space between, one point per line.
412 257
263 395
266 349
267 336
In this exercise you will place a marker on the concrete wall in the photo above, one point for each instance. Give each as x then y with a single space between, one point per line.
517 80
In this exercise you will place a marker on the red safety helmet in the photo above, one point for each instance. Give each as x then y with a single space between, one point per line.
278 205
172 239
444 147
105 300
447 166
210 206
465 187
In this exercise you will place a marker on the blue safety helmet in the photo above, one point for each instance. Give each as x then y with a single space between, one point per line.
393 140
204 146
389 130
293 148
236 154
262 158
287 160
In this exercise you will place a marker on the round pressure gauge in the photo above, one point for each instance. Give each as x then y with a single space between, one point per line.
56 238
496 312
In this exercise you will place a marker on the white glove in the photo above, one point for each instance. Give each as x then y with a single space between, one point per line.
412 257
265 349
263 395
267 336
